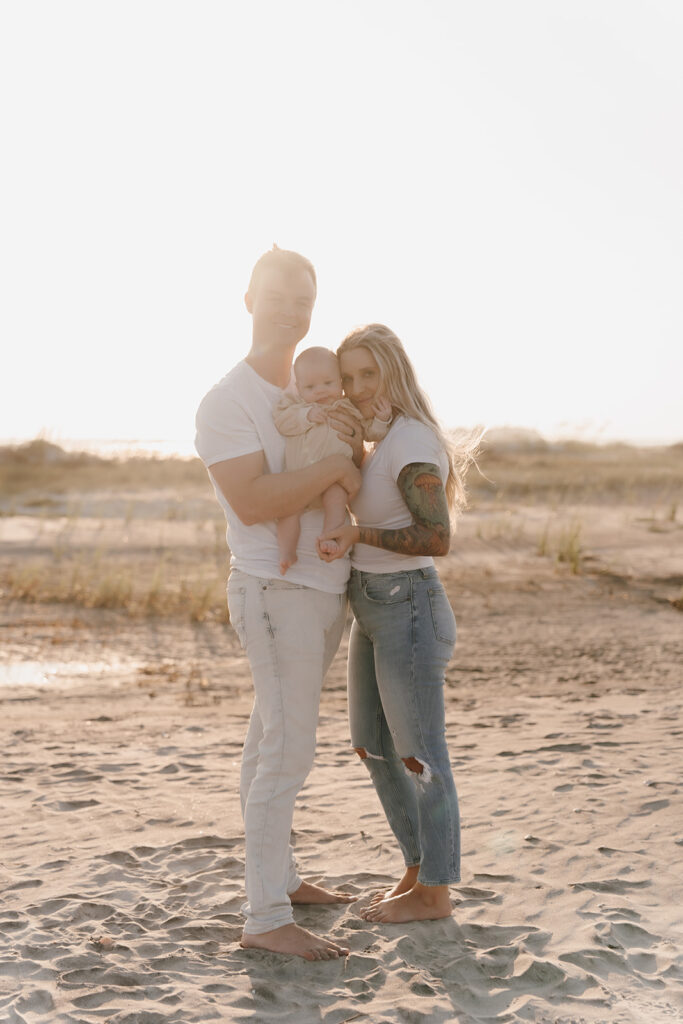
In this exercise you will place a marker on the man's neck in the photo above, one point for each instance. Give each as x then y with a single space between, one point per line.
273 366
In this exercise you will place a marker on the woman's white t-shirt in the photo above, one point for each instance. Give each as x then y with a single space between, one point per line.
379 502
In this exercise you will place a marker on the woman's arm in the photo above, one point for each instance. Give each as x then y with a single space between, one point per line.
429 534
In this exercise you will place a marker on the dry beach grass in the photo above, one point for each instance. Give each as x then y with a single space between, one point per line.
121 877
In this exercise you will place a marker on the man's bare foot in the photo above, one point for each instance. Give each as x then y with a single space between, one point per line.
422 903
405 885
292 940
310 893
286 562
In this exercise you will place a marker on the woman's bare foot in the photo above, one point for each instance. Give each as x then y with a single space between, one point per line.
405 885
422 903
310 893
292 940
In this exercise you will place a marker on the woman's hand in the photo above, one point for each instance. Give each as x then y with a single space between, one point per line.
344 537
348 429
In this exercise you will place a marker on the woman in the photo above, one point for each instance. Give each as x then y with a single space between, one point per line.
404 630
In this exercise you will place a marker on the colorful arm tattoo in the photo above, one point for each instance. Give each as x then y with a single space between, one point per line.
430 534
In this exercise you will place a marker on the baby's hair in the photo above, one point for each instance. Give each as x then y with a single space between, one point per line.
315 352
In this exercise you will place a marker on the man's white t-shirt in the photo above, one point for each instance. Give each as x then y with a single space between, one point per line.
236 418
379 503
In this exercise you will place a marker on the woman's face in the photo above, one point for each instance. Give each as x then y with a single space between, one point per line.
360 379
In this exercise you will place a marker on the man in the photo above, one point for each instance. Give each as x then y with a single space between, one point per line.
290 628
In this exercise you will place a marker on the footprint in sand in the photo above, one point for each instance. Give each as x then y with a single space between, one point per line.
602 962
72 805
472 895
39 1001
627 935
651 806
29 883
612 885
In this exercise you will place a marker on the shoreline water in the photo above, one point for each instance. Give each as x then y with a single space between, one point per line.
113 447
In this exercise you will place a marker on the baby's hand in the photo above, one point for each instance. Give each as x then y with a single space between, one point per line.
316 414
381 407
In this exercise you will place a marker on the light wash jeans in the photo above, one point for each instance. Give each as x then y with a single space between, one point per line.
401 643
290 634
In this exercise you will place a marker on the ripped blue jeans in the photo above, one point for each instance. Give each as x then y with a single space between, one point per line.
401 642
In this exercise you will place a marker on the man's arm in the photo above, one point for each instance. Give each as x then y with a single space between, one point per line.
257 496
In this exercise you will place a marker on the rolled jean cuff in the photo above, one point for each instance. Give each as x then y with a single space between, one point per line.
445 881
258 928
297 883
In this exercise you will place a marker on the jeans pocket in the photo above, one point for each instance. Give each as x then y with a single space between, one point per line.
237 602
389 588
443 618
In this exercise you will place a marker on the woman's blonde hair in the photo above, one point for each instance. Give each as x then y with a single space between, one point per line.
399 384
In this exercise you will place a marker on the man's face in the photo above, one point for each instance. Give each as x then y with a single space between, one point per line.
281 306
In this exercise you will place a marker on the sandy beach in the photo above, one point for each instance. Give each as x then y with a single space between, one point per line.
123 855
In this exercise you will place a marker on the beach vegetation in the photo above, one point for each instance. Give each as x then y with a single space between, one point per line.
145 535
564 545
153 585
569 546
46 476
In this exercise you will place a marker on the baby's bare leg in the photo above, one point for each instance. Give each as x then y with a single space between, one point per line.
288 529
334 501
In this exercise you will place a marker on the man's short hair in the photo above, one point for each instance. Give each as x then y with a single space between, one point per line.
282 259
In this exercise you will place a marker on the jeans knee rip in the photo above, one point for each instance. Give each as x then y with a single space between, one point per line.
366 754
423 776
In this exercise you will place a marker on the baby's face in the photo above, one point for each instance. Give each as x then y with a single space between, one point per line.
318 381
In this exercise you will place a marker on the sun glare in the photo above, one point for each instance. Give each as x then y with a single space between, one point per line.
522 238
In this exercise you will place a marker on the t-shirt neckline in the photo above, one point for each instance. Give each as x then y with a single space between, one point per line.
262 380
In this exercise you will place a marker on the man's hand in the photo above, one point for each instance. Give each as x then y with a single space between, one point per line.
344 537
348 429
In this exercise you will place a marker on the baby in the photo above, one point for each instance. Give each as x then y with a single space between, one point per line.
303 421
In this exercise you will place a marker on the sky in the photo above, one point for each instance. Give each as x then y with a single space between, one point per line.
499 181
